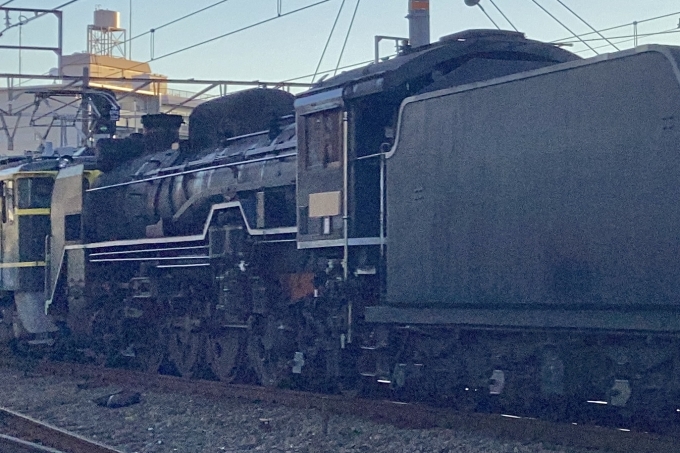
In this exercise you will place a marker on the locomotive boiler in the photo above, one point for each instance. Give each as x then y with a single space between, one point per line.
487 219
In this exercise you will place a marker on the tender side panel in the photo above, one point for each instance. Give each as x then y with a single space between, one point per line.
560 189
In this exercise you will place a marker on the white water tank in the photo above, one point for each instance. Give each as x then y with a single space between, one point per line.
106 20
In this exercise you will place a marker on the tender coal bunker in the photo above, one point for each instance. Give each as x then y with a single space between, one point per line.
482 67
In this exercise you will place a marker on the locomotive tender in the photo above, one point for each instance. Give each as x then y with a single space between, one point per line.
482 213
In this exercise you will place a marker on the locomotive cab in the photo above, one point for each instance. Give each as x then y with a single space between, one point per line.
25 223
347 124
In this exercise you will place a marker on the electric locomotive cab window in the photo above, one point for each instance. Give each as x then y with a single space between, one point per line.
34 192
7 194
322 138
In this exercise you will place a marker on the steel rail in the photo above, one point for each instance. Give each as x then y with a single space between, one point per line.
404 415
56 439
9 444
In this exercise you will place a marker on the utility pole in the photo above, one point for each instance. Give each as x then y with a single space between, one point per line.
85 106
129 43
24 18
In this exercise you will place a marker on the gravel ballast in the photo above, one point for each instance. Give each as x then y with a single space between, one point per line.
164 422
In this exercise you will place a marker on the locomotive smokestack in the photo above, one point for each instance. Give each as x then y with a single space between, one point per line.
161 131
419 22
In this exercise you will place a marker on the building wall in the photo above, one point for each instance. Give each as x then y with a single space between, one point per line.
26 122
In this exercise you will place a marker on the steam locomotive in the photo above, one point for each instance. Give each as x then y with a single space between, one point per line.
484 217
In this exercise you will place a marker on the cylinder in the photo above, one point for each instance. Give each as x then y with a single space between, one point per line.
419 22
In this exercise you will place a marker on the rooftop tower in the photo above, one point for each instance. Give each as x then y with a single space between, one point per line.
105 36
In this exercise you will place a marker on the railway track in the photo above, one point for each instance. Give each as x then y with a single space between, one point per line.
10 444
24 434
404 415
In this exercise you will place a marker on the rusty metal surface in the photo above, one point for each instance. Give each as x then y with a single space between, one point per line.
403 415
30 429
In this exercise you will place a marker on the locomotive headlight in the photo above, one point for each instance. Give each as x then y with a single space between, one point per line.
64 161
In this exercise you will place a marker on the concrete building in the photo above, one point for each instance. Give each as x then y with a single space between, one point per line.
34 112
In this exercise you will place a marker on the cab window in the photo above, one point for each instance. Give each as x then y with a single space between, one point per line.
3 205
322 138
7 201
34 192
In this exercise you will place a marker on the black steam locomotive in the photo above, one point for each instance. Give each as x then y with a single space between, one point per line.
485 215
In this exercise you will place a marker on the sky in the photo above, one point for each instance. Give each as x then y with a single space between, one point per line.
290 46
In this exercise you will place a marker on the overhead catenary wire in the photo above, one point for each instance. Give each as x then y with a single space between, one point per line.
224 35
328 71
627 24
504 16
233 32
628 38
279 15
55 8
29 19
587 24
366 62
153 30
63 5
488 17
330 35
625 38
349 29
174 21
566 40
563 25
